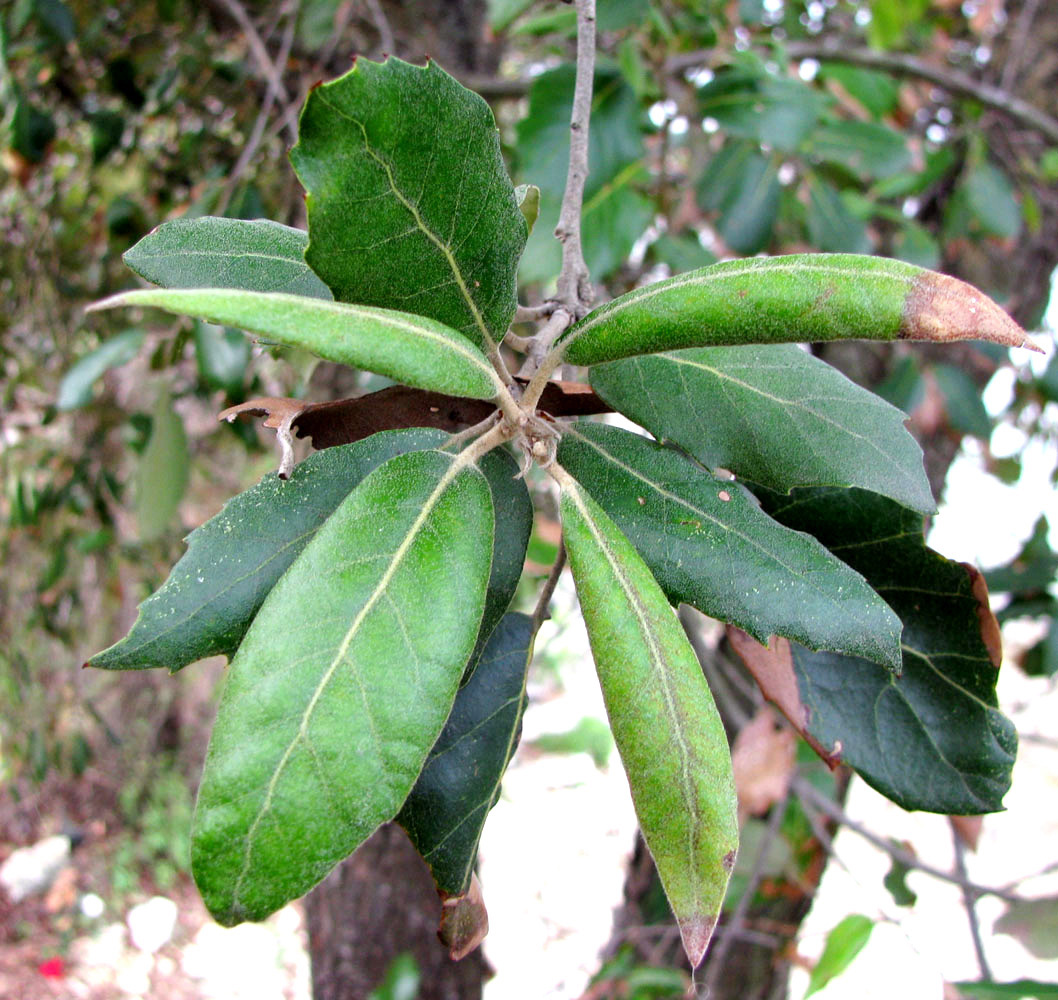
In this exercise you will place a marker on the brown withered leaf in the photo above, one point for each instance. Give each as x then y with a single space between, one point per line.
763 759
464 921
280 413
944 309
772 668
343 421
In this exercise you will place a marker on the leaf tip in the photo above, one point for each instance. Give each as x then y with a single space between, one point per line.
696 932
944 309
464 921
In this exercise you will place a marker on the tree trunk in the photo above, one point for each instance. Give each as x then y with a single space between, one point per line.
378 904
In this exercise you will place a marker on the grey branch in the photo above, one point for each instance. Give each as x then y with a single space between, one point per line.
809 795
970 902
574 284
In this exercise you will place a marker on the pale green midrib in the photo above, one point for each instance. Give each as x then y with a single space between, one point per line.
229 254
658 663
479 320
747 267
716 521
339 309
458 465
791 404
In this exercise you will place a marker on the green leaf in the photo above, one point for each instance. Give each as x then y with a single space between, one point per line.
708 545
342 684
401 981
163 471
844 943
665 725
895 882
990 198
528 198
235 559
831 226
1042 659
409 202
962 401
867 150
801 297
446 810
683 252
742 186
514 508
776 111
877 92
614 15
410 349
75 390
772 415
612 220
932 737
1023 989
223 357
590 735
209 252
917 245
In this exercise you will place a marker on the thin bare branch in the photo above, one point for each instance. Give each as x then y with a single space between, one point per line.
530 314
574 283
539 346
954 82
810 796
257 48
385 32
543 602
969 897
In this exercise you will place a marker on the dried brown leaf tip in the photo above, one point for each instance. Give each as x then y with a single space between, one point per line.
280 414
944 309
464 921
990 633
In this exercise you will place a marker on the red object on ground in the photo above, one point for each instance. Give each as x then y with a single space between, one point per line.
52 968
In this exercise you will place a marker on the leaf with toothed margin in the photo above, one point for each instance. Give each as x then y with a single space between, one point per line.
234 560
409 203
773 415
446 810
664 721
931 737
792 299
410 349
210 252
342 684
710 546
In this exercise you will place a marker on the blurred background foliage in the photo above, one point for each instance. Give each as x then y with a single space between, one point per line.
916 129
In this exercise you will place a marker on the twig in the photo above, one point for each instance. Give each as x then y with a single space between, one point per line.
574 283
1018 45
954 82
257 132
817 800
723 946
257 47
969 902
529 314
539 346
385 33
543 602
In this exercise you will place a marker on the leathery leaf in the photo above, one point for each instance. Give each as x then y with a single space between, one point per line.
342 684
417 351
447 808
664 721
799 297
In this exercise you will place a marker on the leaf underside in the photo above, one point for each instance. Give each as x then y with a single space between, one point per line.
710 546
409 203
410 349
665 725
211 252
446 810
773 415
932 737
342 684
